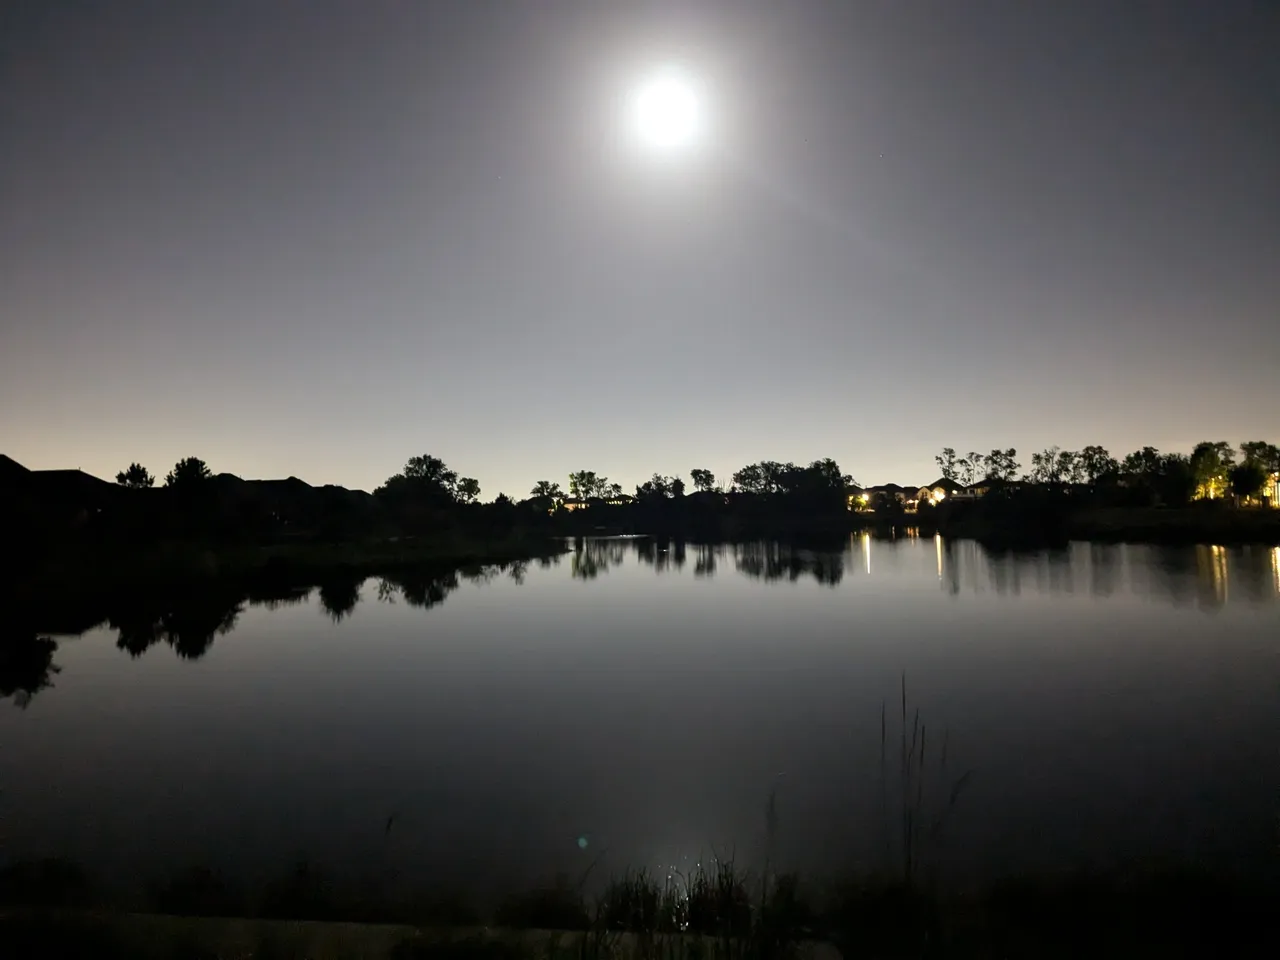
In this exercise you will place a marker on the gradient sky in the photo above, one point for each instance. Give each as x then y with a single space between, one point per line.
319 238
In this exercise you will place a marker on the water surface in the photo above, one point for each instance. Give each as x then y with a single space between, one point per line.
636 703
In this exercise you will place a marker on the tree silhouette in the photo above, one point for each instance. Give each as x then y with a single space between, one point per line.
767 476
819 478
1265 455
582 483
820 484
1142 463
1000 465
1045 466
1247 480
547 488
750 479
659 487
1097 463
429 469
1211 462
586 484
704 481
1177 480
948 464
1069 467
467 490
1166 477
188 472
427 479
136 476
969 469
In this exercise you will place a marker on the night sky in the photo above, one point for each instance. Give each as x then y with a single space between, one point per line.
319 238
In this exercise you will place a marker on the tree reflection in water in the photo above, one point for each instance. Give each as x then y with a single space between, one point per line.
706 556
418 589
26 666
276 596
190 627
771 561
188 621
592 557
339 596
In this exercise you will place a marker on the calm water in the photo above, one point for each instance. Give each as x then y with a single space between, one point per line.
1109 702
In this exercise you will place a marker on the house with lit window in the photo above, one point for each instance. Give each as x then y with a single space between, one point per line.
581 503
983 487
938 491
1272 490
864 498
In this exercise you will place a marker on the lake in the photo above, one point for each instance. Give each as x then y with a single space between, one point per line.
635 703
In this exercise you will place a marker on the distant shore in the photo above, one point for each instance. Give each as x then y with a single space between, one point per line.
107 565
1033 524
1188 525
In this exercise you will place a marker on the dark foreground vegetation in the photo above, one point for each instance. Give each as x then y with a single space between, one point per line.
52 909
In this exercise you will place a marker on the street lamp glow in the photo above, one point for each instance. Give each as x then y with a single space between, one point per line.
667 112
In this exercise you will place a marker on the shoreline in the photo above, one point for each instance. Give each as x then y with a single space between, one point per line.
106 566
115 566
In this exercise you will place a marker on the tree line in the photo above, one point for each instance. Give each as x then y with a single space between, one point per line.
186 472
1211 470
821 478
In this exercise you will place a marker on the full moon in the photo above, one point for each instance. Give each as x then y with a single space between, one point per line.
666 113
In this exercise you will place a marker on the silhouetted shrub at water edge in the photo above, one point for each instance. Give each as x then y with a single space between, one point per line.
1007 514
